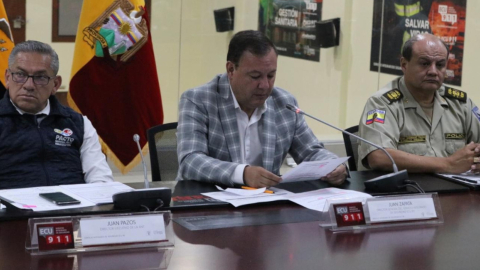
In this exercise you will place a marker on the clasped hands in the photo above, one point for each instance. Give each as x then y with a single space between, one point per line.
467 158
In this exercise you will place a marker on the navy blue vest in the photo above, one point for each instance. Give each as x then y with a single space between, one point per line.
40 155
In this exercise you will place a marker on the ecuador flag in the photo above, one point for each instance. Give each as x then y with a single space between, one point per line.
6 46
114 77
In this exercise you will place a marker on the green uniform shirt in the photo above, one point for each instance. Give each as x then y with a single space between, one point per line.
393 119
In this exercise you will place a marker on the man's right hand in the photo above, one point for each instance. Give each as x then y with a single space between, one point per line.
462 160
258 177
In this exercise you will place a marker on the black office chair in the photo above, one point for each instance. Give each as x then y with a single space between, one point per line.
351 147
162 143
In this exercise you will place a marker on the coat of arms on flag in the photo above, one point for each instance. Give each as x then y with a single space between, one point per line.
122 31
6 45
113 48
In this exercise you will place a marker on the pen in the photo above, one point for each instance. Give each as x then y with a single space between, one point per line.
465 179
251 188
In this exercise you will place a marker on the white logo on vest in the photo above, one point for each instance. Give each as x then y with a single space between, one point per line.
63 139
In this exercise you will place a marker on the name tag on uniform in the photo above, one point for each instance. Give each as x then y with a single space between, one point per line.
455 136
412 139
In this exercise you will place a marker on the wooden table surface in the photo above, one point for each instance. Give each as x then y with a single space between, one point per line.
452 245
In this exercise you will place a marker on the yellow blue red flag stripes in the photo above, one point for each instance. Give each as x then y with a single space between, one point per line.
375 116
114 78
6 46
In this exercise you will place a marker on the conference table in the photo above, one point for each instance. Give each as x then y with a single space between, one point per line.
294 244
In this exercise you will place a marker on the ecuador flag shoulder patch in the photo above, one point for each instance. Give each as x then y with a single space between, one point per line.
375 116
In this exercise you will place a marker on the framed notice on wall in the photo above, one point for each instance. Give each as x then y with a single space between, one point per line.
405 18
290 24
65 18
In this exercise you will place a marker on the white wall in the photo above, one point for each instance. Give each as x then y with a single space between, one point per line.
39 27
189 52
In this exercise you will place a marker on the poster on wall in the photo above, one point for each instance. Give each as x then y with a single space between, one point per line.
290 24
405 18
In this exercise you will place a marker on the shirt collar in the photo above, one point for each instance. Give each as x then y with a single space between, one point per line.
260 110
45 110
410 102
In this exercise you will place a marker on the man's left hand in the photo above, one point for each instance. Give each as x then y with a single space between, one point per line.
475 168
337 176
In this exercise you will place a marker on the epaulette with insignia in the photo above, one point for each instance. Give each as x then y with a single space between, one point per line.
393 95
455 93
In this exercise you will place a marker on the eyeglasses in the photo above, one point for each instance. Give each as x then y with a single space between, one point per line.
20 77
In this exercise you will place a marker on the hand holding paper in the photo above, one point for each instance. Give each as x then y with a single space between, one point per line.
337 176
258 177
312 170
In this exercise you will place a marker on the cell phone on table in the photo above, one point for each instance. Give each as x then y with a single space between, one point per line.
59 198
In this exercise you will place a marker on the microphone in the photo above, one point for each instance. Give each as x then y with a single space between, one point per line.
147 198
385 183
136 138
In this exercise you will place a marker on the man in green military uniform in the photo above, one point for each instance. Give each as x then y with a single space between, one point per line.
425 125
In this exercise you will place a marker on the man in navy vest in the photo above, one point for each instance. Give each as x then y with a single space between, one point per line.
42 142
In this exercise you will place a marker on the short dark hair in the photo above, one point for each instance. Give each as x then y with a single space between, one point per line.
407 49
33 46
252 41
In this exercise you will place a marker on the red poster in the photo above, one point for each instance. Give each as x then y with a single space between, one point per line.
403 19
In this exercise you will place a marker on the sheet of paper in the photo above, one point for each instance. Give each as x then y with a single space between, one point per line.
466 176
312 170
28 198
239 200
243 192
317 199
314 200
98 193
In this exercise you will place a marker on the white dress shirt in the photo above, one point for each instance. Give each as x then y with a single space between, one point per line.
93 160
249 131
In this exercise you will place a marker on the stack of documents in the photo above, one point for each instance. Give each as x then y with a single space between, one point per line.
87 194
308 170
314 200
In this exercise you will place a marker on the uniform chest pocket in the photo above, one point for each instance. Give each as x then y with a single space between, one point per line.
452 146
418 148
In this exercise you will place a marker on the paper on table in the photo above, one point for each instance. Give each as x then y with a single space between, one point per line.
28 198
317 199
312 170
314 200
239 200
466 176
243 192
98 193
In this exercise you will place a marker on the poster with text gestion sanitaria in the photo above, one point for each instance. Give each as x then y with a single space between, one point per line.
290 24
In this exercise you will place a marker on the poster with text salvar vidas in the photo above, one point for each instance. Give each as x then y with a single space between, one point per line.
403 19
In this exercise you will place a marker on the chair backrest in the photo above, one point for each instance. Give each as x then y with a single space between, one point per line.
162 143
351 147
